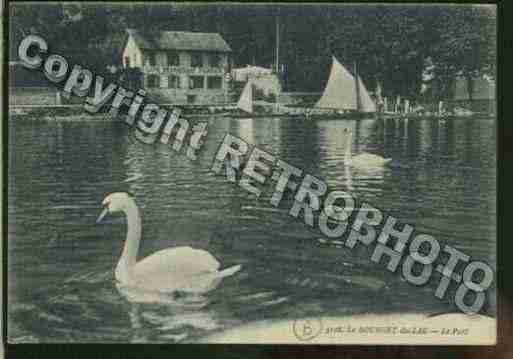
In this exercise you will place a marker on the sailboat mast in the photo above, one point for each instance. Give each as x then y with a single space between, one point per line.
277 59
357 86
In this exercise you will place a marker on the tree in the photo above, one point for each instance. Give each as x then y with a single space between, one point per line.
389 43
466 44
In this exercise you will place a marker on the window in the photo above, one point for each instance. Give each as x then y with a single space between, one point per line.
196 60
152 59
191 98
215 60
173 59
153 81
196 82
173 82
214 82
127 61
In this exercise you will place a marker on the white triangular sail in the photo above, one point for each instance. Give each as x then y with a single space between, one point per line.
246 98
341 91
366 103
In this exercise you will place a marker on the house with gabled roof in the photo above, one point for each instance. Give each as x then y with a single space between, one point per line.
180 67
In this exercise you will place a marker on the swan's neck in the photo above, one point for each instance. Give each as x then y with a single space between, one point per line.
126 264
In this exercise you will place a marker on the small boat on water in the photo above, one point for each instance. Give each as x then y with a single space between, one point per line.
462 112
345 96
247 107
242 109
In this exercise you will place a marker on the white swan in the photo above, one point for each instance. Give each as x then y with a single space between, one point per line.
364 160
178 269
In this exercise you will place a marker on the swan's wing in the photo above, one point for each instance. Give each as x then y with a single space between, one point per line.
178 261
369 159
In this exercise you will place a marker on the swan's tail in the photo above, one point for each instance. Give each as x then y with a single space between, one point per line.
229 271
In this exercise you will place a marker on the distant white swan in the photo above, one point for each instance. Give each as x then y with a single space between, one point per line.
364 160
178 269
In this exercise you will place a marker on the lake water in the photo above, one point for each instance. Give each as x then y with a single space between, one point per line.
60 263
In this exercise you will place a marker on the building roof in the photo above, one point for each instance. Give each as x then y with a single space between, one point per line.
179 40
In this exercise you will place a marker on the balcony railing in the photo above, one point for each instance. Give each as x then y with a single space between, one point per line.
182 70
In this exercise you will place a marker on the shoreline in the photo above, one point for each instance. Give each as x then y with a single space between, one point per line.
78 113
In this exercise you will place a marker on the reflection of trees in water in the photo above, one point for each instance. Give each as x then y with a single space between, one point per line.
412 140
299 144
447 130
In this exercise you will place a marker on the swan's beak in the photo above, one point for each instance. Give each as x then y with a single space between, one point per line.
103 214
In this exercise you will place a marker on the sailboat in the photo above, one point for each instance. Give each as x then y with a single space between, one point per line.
245 102
345 94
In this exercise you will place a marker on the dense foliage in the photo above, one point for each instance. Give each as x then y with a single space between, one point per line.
389 43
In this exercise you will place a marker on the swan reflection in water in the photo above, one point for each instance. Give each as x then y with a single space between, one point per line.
173 316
